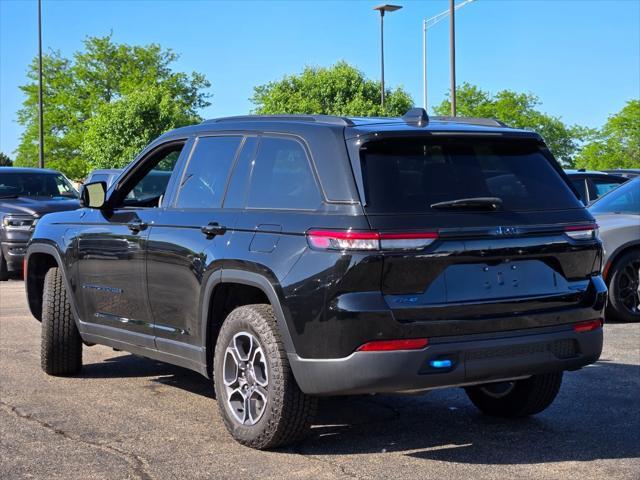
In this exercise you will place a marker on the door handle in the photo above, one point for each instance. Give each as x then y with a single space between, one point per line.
212 229
137 226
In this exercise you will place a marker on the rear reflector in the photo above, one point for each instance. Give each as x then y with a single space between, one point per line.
363 240
390 345
582 232
588 326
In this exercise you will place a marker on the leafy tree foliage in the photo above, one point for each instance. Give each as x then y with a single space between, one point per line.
5 161
77 90
518 110
338 90
617 144
122 128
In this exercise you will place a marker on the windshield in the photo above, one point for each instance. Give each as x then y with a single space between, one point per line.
36 184
416 175
624 199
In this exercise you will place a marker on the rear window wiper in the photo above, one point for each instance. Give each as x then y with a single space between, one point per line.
474 203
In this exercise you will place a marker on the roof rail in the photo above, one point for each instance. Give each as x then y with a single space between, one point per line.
485 122
327 119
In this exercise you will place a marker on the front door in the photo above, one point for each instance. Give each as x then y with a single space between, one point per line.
111 249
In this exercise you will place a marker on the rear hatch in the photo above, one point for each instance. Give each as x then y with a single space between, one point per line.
505 234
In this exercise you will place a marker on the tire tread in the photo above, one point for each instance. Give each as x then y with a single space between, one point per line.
529 397
61 345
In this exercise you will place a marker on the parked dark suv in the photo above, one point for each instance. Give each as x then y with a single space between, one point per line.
295 256
26 194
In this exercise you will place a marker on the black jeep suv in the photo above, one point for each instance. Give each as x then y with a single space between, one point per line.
288 257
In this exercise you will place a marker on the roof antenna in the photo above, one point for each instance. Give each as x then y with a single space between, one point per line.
416 116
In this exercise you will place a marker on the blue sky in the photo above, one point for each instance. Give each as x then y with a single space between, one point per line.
582 58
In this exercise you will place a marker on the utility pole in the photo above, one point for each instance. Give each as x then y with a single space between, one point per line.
424 64
40 111
382 58
426 25
452 35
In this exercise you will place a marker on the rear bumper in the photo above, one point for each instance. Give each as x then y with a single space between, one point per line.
475 359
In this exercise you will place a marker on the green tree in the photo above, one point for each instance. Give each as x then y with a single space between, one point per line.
76 90
617 144
518 110
338 90
122 128
5 161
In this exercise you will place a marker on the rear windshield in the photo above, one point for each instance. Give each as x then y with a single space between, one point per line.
408 175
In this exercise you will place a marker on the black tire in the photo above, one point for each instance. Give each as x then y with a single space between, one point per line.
61 347
4 270
288 412
624 304
520 398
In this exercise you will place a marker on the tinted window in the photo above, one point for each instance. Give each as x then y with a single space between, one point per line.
206 175
238 184
150 189
625 199
282 177
35 184
580 185
604 185
409 175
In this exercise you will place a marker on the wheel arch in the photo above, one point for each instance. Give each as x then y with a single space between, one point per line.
255 288
615 255
39 259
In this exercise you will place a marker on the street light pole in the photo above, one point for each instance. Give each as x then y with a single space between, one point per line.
382 9
40 111
452 35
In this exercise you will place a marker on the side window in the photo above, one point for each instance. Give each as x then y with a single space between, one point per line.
604 185
282 176
580 185
206 175
238 184
150 184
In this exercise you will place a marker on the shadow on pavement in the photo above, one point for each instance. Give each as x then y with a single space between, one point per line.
595 416
130 366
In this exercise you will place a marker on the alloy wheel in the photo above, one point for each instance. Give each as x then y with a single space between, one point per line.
628 288
498 390
246 378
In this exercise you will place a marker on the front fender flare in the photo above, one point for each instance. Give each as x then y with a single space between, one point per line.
55 253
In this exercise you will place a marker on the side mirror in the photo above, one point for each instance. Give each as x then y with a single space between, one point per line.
93 194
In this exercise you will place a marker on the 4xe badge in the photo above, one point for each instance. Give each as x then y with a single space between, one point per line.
506 231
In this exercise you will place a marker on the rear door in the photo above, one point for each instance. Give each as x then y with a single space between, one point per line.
487 259
187 242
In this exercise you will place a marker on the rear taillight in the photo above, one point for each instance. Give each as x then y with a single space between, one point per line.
588 326
392 345
582 232
361 240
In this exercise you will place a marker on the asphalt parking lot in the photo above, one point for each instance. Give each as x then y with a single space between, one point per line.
130 417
